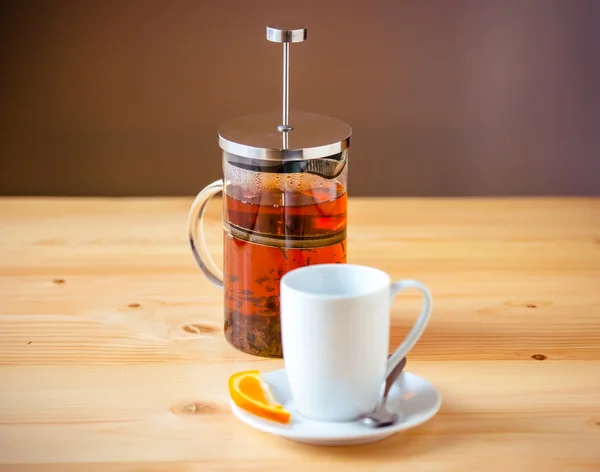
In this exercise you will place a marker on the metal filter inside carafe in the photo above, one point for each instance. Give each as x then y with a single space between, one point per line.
284 206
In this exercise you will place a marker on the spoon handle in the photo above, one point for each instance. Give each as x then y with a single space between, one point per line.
394 374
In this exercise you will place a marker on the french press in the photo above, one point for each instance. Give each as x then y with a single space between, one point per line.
284 206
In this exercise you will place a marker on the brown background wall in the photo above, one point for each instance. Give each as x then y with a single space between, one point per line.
444 97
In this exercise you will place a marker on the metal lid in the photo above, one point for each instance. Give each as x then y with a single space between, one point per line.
257 137
276 137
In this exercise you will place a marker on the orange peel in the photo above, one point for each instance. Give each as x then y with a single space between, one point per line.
249 391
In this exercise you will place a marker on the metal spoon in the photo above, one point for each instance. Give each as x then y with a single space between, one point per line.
381 416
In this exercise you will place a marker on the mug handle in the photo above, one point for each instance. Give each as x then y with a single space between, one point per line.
196 234
418 328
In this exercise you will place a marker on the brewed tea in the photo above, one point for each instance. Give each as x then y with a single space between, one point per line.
268 233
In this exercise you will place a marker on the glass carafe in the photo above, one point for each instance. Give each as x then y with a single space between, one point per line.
284 194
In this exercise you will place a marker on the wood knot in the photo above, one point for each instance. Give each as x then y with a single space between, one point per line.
539 357
58 281
134 305
198 329
528 304
197 408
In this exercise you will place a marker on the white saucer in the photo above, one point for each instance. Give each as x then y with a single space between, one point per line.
415 399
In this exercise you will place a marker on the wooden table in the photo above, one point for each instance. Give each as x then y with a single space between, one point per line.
112 355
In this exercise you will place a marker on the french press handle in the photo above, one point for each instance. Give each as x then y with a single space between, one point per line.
196 233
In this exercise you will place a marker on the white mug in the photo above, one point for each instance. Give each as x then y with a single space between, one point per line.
335 329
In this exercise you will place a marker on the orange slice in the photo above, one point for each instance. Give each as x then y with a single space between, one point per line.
250 392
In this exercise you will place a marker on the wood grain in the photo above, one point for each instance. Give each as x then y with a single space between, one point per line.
112 355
